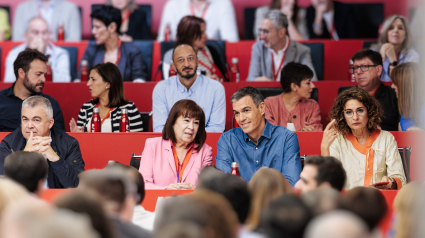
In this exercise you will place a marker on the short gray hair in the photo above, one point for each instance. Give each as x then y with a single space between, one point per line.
254 93
36 18
278 19
36 101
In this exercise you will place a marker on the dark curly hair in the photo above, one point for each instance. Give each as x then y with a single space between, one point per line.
374 109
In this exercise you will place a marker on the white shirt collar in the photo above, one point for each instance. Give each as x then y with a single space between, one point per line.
280 52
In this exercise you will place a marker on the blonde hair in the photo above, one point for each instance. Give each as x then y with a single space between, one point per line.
410 87
383 38
132 5
10 192
266 185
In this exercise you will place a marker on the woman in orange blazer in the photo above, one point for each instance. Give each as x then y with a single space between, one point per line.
175 160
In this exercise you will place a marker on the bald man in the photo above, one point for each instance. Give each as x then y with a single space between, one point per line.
38 36
187 84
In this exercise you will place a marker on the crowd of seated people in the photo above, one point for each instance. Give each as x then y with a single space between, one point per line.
275 192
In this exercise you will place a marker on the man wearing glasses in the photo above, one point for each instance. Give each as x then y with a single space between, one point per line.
367 70
275 50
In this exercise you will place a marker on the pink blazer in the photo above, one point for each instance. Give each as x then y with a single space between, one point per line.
158 168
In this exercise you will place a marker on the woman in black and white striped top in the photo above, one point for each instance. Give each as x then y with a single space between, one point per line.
106 87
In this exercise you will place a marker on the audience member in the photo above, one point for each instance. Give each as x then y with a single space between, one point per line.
87 203
37 134
10 192
369 155
181 229
191 31
367 70
266 185
408 84
219 16
57 13
107 89
134 24
208 176
322 200
182 144
30 69
4 25
257 143
118 195
337 224
297 25
293 109
409 212
141 217
28 169
37 36
109 47
394 45
276 50
321 171
327 19
367 203
286 216
207 93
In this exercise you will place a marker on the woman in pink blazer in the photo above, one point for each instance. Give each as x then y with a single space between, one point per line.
175 160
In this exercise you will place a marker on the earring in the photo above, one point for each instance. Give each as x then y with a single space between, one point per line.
106 87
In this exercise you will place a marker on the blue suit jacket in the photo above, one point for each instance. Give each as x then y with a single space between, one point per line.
130 65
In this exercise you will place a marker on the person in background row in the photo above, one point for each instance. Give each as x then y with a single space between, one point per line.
4 25
297 25
191 31
207 93
219 16
367 70
369 155
257 143
276 50
408 84
106 87
182 146
30 69
29 169
322 200
321 171
37 36
293 109
56 13
327 19
37 134
394 45
109 47
134 24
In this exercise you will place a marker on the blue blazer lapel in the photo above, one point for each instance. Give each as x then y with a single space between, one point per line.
100 55
123 61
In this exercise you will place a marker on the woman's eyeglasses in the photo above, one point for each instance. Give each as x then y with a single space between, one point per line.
350 113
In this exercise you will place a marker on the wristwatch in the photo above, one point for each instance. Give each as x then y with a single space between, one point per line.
395 63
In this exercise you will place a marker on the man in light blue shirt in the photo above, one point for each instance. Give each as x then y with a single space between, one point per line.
207 93
257 143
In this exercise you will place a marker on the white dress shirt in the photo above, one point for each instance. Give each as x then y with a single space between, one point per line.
144 219
328 17
277 58
220 19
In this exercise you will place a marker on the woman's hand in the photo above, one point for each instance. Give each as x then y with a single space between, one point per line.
288 10
329 135
384 49
213 76
307 127
384 187
414 128
126 38
173 186
73 126
187 186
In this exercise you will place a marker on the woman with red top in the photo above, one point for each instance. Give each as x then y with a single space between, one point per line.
191 31
293 109
175 160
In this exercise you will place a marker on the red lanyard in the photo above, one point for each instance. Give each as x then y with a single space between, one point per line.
331 32
192 10
119 52
214 69
276 73
126 16
107 115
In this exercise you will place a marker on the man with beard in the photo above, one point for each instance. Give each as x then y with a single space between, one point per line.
187 84
30 69
37 134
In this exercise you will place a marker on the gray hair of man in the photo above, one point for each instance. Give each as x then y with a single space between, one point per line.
254 93
279 20
36 18
39 101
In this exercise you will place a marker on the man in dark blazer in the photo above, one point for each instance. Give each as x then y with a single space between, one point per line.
37 134
275 50
327 19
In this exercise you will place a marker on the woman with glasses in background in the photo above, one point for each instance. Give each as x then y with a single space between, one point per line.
368 154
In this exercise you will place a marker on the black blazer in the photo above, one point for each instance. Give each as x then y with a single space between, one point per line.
345 24
220 64
130 65
138 27
62 173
